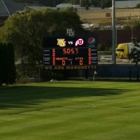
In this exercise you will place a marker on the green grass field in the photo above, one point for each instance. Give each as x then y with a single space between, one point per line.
70 111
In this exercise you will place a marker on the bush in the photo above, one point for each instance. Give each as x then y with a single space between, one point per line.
87 7
105 46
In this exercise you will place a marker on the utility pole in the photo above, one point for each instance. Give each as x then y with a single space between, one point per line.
139 9
80 5
113 33
22 58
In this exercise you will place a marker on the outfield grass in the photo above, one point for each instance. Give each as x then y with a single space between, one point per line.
70 111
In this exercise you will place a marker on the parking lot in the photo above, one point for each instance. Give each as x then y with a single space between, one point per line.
107 59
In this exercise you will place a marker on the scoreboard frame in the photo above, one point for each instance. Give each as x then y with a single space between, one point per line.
70 53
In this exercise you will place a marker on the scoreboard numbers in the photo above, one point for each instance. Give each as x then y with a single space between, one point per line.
70 53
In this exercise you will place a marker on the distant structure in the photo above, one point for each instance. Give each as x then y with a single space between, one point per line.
59 6
7 8
36 8
66 5
4 13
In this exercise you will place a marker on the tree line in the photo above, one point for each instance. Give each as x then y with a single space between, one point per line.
27 29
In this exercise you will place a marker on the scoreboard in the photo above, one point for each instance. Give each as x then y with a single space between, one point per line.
70 53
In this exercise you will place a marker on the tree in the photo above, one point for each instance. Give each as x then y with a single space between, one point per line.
27 29
86 7
134 56
105 46
106 3
135 51
136 24
138 5
127 27
7 64
133 25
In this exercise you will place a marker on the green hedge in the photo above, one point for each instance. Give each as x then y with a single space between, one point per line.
7 64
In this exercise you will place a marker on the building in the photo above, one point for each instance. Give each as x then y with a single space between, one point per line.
4 13
66 5
7 8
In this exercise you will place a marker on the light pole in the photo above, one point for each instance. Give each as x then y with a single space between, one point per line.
20 13
113 33
139 9
80 5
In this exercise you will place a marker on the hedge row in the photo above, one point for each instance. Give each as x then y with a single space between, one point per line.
7 64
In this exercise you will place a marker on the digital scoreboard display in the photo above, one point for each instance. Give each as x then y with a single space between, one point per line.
70 53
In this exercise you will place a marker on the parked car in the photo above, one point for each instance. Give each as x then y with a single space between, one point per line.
106 58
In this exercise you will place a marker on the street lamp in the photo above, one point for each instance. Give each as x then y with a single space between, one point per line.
113 33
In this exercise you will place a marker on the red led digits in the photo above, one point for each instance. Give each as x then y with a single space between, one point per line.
70 51
81 62
63 62
76 50
89 50
64 51
80 59
53 56
53 50
89 56
89 62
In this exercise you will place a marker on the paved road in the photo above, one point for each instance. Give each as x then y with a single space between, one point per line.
13 7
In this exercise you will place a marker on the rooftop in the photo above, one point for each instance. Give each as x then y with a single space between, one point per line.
3 10
8 7
39 7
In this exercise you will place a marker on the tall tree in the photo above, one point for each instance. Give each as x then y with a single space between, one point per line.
26 30
7 64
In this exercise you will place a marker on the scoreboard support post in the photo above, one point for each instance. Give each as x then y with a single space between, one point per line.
86 73
53 74
94 75
64 74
